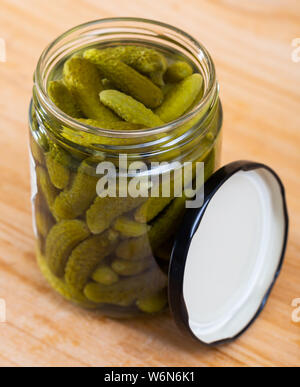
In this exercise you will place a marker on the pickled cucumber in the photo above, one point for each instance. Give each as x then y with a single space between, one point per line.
74 201
127 291
44 222
129 109
105 275
105 210
157 77
44 184
153 303
178 71
135 248
142 59
129 228
161 229
180 99
83 80
87 256
58 162
62 239
155 205
36 151
126 268
118 125
127 79
63 99
151 208
61 287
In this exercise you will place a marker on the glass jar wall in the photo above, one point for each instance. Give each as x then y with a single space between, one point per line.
104 243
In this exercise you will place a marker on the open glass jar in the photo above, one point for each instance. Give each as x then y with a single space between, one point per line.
111 253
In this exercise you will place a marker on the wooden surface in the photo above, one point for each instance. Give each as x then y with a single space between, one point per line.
260 89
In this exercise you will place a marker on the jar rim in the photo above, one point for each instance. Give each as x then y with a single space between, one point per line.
211 90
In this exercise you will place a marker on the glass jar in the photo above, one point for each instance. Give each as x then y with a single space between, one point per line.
111 253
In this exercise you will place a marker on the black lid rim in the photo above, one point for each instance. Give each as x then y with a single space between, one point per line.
181 247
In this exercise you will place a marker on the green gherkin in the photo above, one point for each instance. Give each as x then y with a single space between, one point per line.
105 275
127 291
74 201
130 228
92 140
87 256
83 80
63 99
157 77
154 303
61 240
36 151
129 109
145 60
135 248
44 184
58 162
126 268
162 228
151 208
127 79
180 99
178 71
118 125
61 287
155 205
44 222
105 210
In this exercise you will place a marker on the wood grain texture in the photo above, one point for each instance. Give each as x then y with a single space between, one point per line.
260 89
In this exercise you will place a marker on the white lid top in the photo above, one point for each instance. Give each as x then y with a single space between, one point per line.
234 253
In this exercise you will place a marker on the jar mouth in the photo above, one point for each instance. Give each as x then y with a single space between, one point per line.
59 47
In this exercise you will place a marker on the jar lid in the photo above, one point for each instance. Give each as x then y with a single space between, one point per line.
228 253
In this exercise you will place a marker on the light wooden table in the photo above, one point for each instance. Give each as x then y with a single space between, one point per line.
260 86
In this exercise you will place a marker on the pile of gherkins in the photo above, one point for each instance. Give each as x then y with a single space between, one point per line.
103 253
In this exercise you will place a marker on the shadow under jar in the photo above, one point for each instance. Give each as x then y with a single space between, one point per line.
111 253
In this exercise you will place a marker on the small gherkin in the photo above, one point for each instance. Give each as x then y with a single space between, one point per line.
36 151
143 59
130 228
128 290
44 222
153 303
90 140
161 229
178 71
87 256
63 99
130 109
83 80
104 211
105 275
180 98
127 268
44 184
151 208
61 241
76 199
58 163
118 125
69 293
126 79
